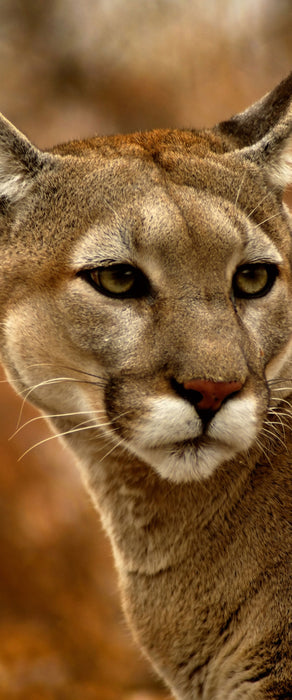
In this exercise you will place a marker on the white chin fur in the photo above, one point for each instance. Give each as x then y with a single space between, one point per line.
162 438
186 463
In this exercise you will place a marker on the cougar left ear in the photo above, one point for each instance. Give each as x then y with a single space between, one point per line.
20 161
263 133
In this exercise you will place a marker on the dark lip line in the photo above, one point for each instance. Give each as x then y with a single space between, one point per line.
195 443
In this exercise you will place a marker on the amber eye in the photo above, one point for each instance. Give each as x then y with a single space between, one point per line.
118 281
252 281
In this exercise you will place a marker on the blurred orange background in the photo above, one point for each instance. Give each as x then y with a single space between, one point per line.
68 70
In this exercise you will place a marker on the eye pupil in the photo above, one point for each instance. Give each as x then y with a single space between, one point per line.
252 281
116 281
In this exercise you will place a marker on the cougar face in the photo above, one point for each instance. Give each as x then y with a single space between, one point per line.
173 292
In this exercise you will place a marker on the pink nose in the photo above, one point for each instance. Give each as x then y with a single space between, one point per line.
212 393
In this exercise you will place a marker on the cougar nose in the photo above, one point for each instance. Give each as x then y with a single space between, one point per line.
207 396
211 394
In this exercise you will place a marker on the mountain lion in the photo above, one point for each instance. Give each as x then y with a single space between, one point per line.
146 309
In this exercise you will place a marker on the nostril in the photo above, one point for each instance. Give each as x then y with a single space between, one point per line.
194 397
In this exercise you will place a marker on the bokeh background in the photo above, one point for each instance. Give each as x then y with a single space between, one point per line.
71 69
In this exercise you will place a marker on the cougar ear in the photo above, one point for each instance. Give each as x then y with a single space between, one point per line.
264 133
19 162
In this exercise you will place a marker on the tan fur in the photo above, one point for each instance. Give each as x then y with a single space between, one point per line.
199 513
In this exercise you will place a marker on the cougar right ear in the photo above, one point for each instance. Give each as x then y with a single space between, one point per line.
263 133
249 127
19 162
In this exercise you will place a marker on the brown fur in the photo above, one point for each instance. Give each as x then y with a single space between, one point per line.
198 511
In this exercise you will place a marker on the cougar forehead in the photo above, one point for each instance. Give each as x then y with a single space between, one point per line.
162 228
167 220
120 205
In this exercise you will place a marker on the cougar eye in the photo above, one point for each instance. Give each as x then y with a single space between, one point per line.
118 281
256 280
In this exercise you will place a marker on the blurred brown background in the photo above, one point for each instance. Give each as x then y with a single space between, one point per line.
71 69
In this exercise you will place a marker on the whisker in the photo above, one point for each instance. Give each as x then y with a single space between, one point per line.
284 421
278 423
73 369
264 221
67 415
272 432
284 401
112 450
240 188
282 388
258 205
262 448
281 404
48 382
287 412
87 374
274 435
53 415
59 435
